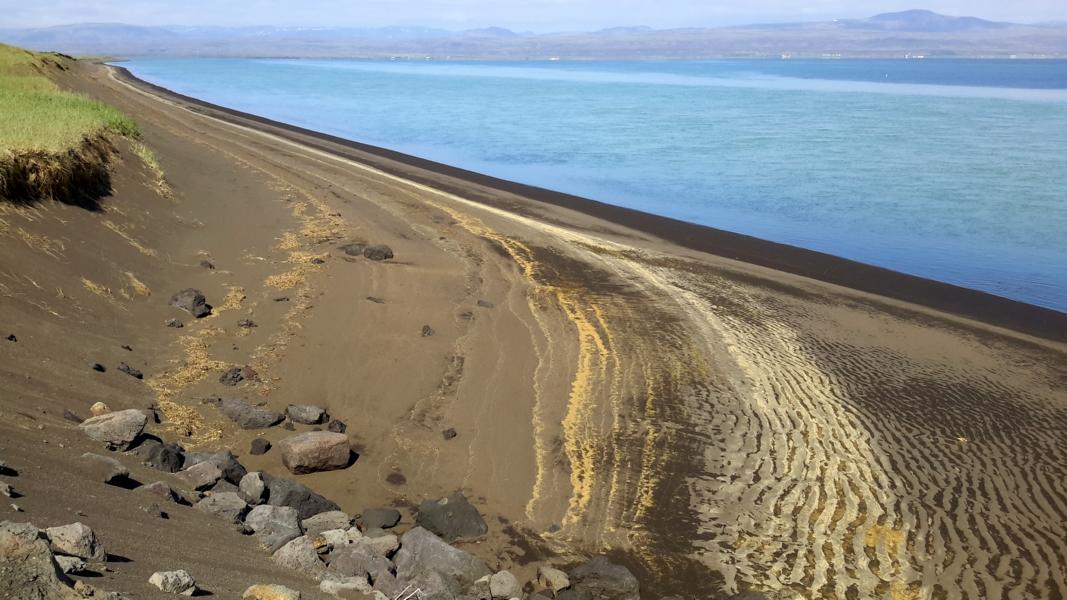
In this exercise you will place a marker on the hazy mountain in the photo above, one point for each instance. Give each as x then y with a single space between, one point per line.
913 32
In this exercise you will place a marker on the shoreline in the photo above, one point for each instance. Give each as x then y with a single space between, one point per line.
963 302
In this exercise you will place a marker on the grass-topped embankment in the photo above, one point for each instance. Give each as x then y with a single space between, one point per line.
52 142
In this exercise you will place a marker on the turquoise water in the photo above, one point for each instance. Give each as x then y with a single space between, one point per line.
953 170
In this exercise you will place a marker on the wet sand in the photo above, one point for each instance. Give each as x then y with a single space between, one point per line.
788 422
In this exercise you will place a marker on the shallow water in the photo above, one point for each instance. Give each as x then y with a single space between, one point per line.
953 170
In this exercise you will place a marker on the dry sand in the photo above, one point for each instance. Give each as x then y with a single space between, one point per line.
717 424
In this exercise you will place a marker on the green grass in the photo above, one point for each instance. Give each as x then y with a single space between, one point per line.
35 115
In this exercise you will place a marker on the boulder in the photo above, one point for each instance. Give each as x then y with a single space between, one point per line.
104 468
27 566
333 519
315 451
259 446
253 488
427 562
603 579
275 526
378 252
247 416
117 429
385 544
167 457
232 469
451 518
191 301
504 585
228 505
174 582
270 592
379 518
71 564
286 492
201 476
306 414
360 560
76 539
552 579
300 555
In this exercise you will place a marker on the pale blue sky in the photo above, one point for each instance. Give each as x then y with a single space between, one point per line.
538 15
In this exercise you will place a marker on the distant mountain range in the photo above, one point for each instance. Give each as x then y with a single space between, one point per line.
908 33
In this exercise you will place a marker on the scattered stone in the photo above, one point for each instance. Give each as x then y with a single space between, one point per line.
105 468
300 555
127 348
450 433
353 249
98 409
247 416
28 568
426 562
504 585
286 492
379 252
99 368
228 505
246 324
175 323
427 331
191 301
207 265
379 518
76 539
117 429
601 578
132 372
485 304
12 338
71 564
73 418
201 476
552 579
315 451
7 491
160 490
333 519
375 300
5 469
174 582
270 592
337 426
253 488
306 414
275 526
282 299
451 518
259 446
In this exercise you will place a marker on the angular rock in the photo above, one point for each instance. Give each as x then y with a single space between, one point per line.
379 518
7 491
70 564
286 492
76 539
504 585
270 592
253 488
201 476
300 555
335 585
247 416
232 469
337 426
160 490
378 252
6 469
552 579
275 526
167 457
132 372
117 429
191 301
427 562
175 323
28 568
358 560
601 578
259 446
315 451
306 414
227 505
174 582
333 519
105 468
451 518
385 544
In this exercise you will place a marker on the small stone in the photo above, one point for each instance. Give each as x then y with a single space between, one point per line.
207 265
191 301
105 468
379 252
7 491
73 418
337 426
174 582
12 338
379 518
282 299
174 323
270 592
504 585
315 451
306 414
99 368
375 300
76 539
98 409
246 324
552 579
132 372
70 564
449 433
485 304
117 429
259 446
353 249
228 505
427 331
126 348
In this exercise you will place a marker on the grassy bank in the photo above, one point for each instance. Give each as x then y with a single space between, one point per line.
52 142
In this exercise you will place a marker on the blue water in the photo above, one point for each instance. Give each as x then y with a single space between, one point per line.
953 170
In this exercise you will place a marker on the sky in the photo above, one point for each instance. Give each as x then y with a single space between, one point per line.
520 15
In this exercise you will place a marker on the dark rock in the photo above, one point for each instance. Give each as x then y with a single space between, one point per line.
606 580
232 376
246 324
191 301
175 323
379 518
28 566
427 331
207 265
73 418
168 457
439 570
232 470
247 416
353 249
375 300
99 368
7 470
379 252
318 261
485 304
259 446
282 299
127 369
451 518
449 434
306 414
286 492
337 426
396 478
12 338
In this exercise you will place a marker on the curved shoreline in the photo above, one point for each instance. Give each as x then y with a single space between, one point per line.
981 306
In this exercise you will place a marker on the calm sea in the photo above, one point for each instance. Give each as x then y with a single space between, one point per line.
953 170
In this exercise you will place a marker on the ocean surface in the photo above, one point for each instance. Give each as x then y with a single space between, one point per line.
954 170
